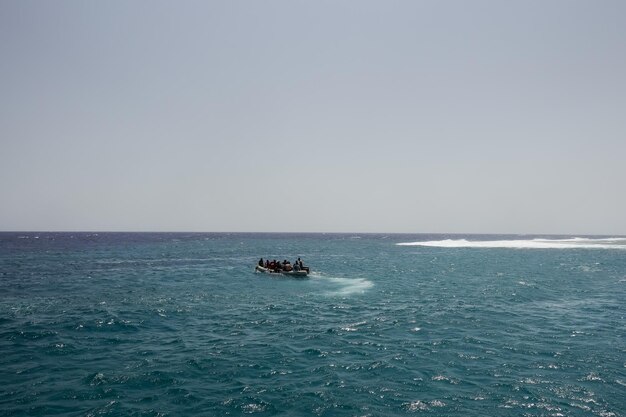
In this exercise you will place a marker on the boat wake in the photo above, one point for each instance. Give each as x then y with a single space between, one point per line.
538 243
343 286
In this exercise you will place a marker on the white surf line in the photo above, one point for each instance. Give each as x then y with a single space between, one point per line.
571 243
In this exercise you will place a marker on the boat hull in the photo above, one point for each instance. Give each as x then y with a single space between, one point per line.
294 274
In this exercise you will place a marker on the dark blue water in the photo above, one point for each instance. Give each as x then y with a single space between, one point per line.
179 325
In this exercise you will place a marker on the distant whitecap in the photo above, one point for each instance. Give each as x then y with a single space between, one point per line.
538 243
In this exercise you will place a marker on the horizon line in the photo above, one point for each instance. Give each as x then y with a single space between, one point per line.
313 233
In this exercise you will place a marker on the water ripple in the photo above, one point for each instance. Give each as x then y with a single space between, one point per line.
179 325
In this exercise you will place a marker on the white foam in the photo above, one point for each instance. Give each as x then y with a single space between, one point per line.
353 327
352 285
346 286
571 243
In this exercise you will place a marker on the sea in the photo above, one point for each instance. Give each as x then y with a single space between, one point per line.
180 324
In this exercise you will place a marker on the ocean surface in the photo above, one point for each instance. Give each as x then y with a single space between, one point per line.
134 324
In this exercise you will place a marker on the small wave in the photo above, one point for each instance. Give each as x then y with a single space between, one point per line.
253 408
97 379
445 378
416 406
592 377
571 243
353 327
419 405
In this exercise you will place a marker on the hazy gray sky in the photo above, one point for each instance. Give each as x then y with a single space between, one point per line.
348 116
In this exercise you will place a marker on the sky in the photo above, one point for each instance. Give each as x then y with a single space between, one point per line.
313 116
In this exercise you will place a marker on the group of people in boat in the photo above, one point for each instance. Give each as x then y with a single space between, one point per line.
284 266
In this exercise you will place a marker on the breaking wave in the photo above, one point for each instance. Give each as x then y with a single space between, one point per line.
538 243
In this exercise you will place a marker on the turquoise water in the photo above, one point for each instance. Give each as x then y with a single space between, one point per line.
180 325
